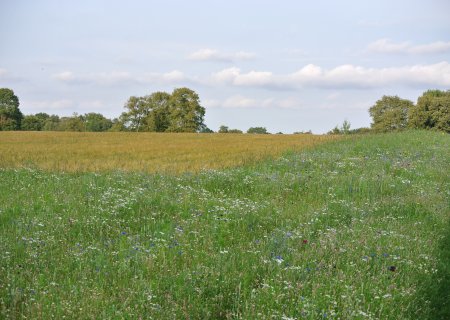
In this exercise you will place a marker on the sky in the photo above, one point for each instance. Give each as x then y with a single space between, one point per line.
285 65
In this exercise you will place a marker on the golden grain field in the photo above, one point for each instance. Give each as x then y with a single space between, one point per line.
143 152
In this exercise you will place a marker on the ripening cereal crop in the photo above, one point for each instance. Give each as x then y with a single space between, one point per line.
143 152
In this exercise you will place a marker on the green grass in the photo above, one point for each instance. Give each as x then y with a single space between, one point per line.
353 229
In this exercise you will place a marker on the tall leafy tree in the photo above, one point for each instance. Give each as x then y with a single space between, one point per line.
390 113
158 118
31 123
73 123
138 109
185 112
223 129
10 114
258 130
52 123
96 122
34 122
432 111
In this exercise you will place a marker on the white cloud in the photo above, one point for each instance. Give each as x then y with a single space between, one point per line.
346 76
341 77
234 76
65 76
226 75
388 46
173 76
211 103
239 101
215 55
120 78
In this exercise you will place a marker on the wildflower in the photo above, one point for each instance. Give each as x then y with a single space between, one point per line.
123 233
279 259
305 241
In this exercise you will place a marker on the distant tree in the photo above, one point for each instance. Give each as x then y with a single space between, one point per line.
335 130
158 104
73 123
162 112
96 122
138 110
51 123
223 129
390 113
31 123
345 129
257 130
360 131
117 125
185 112
234 131
432 111
10 114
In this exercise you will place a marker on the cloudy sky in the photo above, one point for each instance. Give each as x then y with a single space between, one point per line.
285 65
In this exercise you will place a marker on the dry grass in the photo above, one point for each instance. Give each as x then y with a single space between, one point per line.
147 152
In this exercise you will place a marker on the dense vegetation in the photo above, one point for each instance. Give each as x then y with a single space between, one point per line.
181 112
352 229
432 111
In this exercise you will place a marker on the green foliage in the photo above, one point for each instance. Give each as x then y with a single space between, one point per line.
51 123
344 129
163 112
223 129
137 111
432 111
31 123
360 131
185 112
205 129
390 113
10 114
96 122
257 130
335 130
158 119
34 122
73 123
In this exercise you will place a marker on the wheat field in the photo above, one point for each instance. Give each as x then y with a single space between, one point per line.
143 152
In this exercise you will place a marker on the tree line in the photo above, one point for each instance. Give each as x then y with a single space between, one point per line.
158 112
180 111
392 113
432 111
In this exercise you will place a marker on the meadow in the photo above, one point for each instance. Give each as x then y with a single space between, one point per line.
143 152
355 228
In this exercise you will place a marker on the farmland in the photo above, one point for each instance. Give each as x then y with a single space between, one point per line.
143 152
348 229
